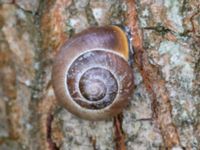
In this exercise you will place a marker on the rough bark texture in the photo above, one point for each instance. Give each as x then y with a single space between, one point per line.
165 109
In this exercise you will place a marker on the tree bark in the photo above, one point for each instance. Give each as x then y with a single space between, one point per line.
165 106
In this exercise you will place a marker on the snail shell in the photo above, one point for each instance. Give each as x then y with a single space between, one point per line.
91 75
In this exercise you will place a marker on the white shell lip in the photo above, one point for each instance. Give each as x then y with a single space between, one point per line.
64 97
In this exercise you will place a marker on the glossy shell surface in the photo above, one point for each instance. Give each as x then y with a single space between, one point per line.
91 76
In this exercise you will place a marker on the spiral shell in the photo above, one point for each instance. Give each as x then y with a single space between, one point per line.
91 75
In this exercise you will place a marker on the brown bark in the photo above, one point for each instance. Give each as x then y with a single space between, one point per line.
166 69
154 83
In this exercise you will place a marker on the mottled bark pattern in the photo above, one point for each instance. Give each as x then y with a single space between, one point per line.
165 106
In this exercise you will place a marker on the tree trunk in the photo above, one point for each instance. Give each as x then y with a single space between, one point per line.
164 112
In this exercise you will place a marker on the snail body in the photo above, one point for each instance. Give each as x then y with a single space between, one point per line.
91 76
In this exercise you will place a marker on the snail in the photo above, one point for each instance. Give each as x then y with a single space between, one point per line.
91 75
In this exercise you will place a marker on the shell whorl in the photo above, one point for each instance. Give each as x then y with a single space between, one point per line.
91 76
